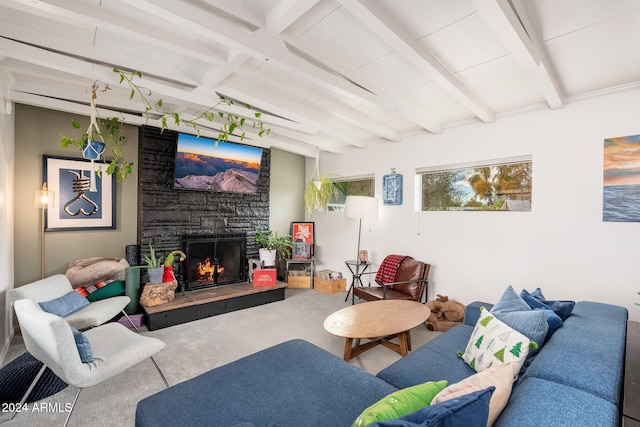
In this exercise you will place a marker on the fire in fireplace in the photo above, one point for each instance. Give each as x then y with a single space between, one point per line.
214 259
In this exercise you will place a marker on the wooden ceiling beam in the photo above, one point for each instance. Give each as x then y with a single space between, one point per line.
516 33
392 32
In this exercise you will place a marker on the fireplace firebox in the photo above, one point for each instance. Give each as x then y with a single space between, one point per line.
213 260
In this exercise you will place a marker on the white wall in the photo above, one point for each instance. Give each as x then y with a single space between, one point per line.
6 219
562 245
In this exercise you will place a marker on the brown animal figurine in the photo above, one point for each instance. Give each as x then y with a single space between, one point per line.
445 314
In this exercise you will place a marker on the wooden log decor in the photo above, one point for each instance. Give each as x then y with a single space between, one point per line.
157 294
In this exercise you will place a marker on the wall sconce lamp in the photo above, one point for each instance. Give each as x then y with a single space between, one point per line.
43 200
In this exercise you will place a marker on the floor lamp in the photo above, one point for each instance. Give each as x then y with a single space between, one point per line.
43 200
361 207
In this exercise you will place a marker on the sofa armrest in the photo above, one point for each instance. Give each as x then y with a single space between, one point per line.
472 312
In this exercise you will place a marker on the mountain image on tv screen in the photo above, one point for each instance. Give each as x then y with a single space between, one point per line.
208 165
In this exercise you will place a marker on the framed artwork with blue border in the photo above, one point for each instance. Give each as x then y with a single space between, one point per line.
75 207
392 189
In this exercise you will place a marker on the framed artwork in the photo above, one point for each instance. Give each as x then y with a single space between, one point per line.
75 207
304 232
621 180
392 189
301 250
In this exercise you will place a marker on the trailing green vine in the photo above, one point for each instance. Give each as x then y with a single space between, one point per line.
113 137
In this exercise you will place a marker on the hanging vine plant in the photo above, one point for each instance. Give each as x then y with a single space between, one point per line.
108 131
319 191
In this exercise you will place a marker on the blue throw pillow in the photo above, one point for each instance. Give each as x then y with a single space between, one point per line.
561 308
510 301
553 320
65 305
470 410
83 345
516 313
532 324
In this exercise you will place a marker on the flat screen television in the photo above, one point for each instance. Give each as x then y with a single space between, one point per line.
205 164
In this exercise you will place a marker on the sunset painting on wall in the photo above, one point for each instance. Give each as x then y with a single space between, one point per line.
621 191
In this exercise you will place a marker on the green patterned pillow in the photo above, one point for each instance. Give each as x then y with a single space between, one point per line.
400 403
493 343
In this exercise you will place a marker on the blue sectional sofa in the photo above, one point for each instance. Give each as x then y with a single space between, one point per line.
576 379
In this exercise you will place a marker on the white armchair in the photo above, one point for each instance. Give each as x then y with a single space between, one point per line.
114 348
96 313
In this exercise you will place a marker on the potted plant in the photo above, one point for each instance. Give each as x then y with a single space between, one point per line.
319 191
107 134
156 269
272 245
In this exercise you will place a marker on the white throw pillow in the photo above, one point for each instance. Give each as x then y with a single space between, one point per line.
494 343
501 377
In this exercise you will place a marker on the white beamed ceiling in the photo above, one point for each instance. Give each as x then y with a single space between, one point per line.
333 74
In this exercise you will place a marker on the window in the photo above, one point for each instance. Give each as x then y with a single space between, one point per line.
359 186
484 186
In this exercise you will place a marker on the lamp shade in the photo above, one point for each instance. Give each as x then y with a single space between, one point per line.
361 207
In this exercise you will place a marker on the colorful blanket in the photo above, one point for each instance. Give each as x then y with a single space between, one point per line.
389 268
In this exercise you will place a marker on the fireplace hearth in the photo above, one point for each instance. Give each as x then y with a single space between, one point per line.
213 260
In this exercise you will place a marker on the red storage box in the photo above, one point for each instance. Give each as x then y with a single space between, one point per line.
264 277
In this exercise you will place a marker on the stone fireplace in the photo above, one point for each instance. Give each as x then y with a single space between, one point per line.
213 260
168 217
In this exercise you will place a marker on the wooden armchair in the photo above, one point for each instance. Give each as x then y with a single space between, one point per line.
409 283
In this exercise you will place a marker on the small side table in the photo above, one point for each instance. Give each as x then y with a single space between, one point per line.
357 269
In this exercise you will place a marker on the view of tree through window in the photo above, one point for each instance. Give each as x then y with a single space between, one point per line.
351 187
496 187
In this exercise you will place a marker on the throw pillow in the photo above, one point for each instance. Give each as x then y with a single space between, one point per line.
532 324
64 305
83 345
561 308
513 310
112 289
501 377
553 320
400 403
510 301
493 342
469 410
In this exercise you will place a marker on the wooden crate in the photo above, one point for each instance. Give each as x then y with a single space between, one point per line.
299 282
330 286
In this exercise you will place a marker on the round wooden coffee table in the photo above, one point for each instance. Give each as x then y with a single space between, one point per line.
378 321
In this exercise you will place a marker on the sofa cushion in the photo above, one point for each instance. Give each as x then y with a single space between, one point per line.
501 377
400 403
64 305
434 361
469 410
493 342
539 402
291 384
588 352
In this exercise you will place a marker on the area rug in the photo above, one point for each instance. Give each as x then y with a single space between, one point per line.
17 375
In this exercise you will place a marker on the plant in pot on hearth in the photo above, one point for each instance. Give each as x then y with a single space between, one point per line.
272 246
156 269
